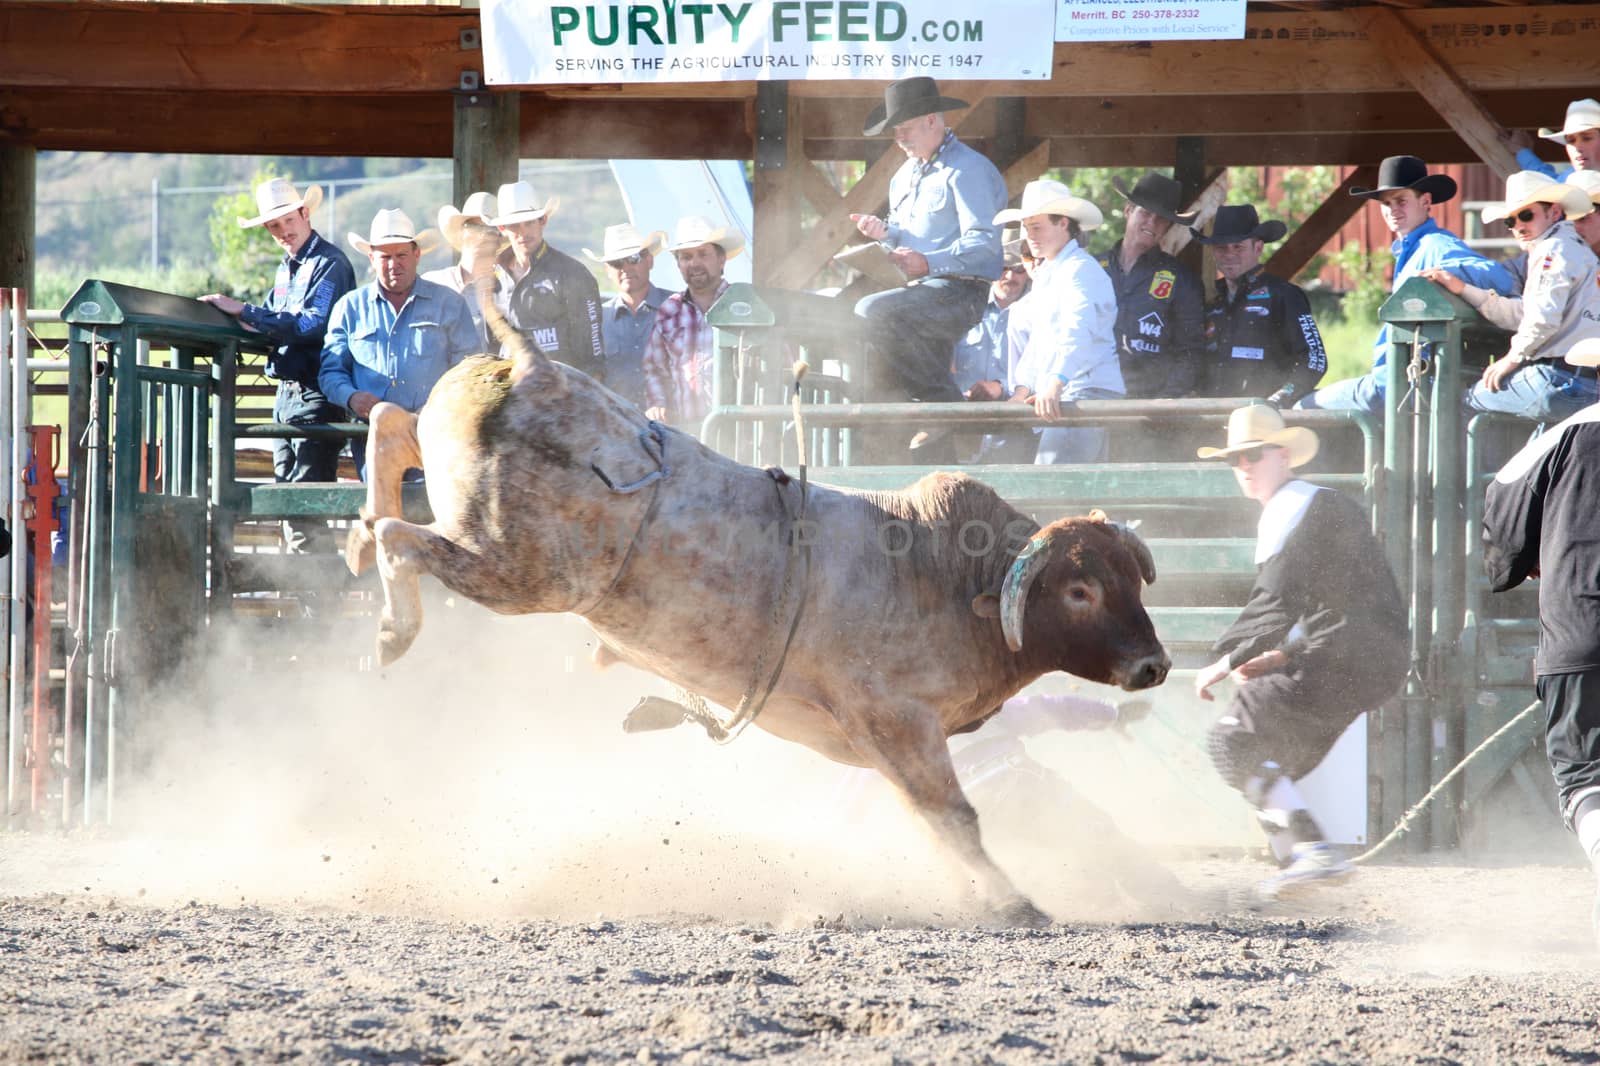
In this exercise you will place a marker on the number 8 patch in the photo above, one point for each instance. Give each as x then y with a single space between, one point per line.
1161 284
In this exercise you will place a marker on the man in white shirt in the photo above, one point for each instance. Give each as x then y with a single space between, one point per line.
1062 335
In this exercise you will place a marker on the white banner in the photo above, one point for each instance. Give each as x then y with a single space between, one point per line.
1150 20
542 42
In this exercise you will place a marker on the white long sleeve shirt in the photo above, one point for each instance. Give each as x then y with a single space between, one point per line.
1065 327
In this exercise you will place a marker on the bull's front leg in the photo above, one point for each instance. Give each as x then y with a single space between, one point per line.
909 749
403 552
392 449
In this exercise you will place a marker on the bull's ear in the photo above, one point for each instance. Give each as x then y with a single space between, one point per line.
986 605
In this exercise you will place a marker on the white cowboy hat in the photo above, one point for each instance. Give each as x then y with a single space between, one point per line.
695 230
517 203
1589 182
1045 197
276 197
1259 424
1581 115
623 240
1527 187
392 226
1584 353
480 207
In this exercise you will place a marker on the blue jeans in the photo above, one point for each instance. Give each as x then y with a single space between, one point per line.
1076 444
300 461
1544 392
1364 393
913 331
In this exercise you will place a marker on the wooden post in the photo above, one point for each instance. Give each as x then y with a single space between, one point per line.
1293 254
17 197
1189 168
1412 57
1010 123
488 141
779 153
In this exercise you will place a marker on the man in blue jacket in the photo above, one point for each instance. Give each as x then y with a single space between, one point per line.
1406 193
311 278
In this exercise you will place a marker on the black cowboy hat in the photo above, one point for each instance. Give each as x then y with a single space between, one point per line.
908 99
1239 222
1409 172
1158 194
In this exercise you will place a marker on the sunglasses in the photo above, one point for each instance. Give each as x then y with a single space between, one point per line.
629 260
1016 269
1249 455
1525 215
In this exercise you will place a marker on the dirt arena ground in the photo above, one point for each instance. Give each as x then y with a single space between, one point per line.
443 874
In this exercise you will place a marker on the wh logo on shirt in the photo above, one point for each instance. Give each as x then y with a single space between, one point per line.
546 339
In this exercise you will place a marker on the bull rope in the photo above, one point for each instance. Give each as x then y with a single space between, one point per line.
651 435
1404 824
695 707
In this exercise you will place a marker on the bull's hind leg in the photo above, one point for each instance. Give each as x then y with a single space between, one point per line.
392 449
915 757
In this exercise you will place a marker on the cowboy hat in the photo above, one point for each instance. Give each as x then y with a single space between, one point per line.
1239 222
1046 197
517 203
1584 353
1408 172
392 226
480 206
1581 115
1259 424
905 100
695 230
1012 247
1158 194
623 240
1527 187
276 197
1589 182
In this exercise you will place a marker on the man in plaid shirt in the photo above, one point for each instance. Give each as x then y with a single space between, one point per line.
678 358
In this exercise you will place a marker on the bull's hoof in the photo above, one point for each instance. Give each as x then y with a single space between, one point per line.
602 656
1020 913
360 548
393 642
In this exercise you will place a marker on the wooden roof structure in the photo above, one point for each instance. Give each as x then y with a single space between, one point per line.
1346 83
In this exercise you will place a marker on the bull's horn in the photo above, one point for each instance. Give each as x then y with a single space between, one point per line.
1014 593
1141 551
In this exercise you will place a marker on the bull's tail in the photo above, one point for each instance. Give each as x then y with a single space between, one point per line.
526 358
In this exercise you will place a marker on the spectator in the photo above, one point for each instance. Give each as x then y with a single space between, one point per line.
1321 640
679 357
980 360
1406 192
389 341
628 318
469 233
1159 338
310 279
547 296
940 234
1588 225
1261 340
1062 344
1580 134
1559 306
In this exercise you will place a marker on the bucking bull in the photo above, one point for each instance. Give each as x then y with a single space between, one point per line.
874 624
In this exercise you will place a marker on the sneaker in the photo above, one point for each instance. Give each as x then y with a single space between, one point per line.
1314 863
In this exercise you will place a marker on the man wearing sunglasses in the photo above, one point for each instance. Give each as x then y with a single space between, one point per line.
629 317
1406 194
980 362
1559 306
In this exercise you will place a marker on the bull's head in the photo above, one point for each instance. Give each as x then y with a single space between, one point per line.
1074 592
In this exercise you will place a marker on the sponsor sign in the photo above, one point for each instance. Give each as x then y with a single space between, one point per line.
1161 284
543 42
1149 20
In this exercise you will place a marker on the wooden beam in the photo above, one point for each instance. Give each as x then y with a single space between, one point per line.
815 187
1439 85
1322 224
835 228
486 148
1033 163
779 155
556 128
18 189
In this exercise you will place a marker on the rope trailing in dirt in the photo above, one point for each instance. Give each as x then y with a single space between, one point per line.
1404 824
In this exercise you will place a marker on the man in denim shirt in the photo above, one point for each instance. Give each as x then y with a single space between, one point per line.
940 232
312 277
628 318
391 340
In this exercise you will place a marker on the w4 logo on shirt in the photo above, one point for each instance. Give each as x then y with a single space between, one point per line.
1151 325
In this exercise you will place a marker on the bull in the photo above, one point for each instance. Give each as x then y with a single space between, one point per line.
915 615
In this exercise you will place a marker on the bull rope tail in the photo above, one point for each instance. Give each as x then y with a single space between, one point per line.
1404 824
752 704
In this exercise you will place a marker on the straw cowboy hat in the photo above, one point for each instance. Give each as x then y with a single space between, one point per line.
517 203
1528 187
480 207
1158 194
1408 172
1581 115
1259 424
905 100
1239 222
622 241
392 226
1589 182
1045 197
695 230
276 198
1584 353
